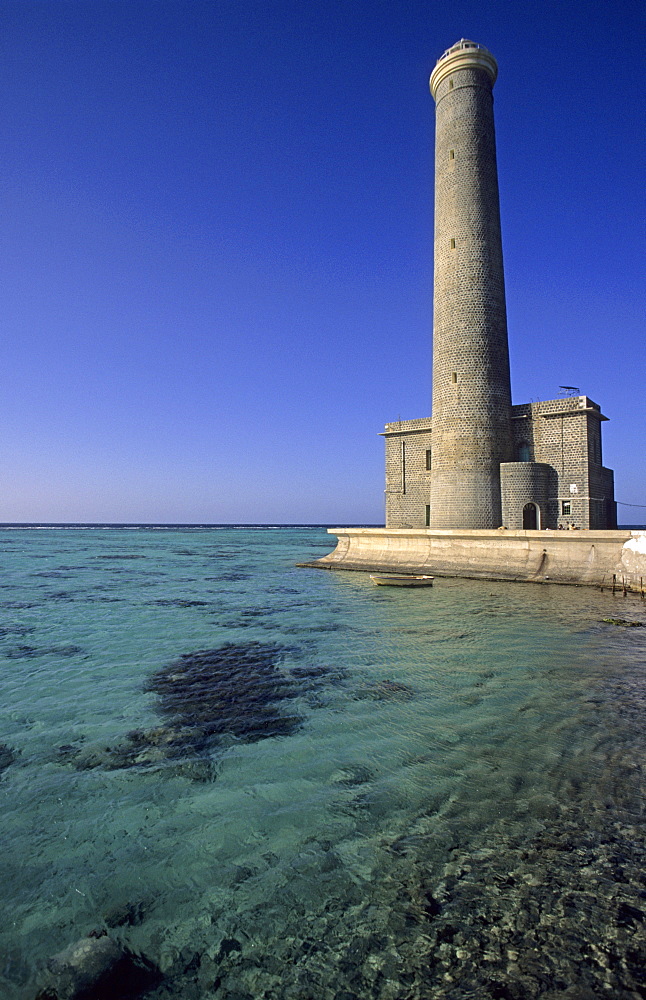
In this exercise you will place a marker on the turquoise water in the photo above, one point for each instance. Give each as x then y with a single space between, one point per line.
435 793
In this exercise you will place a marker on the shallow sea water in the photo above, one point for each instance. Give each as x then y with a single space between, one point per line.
454 810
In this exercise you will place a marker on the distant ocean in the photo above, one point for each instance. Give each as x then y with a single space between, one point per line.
282 783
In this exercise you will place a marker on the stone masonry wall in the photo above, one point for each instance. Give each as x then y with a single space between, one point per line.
566 434
408 481
562 436
523 483
471 387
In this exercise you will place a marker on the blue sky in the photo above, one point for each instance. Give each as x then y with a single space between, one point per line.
217 241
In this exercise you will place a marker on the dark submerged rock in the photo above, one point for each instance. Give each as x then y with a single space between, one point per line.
180 602
29 652
125 914
98 968
228 946
6 630
208 699
7 757
350 775
387 690
236 690
123 555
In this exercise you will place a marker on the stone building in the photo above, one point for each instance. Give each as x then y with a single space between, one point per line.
482 462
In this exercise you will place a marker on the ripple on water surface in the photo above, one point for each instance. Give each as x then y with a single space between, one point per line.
376 793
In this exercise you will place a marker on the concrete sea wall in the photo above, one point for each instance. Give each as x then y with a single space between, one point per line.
593 558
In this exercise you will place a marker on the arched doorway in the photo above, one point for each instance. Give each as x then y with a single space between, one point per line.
531 517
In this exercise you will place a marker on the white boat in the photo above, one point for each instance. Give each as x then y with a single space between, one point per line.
401 580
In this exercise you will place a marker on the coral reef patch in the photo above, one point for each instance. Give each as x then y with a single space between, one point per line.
236 690
207 700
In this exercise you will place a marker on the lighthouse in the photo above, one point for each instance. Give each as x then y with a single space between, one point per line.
480 462
471 386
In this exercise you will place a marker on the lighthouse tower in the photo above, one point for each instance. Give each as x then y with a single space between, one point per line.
471 385
480 462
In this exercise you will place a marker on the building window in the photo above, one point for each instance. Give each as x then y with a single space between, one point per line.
451 154
454 377
566 508
452 244
450 84
403 466
427 515
523 451
429 457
